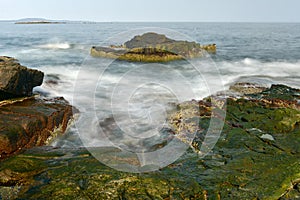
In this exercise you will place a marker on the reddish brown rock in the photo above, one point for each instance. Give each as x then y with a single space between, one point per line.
31 122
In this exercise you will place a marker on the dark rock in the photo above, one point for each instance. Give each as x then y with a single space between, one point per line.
281 92
147 39
153 47
17 80
29 122
52 79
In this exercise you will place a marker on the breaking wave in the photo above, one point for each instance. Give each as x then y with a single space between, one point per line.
57 45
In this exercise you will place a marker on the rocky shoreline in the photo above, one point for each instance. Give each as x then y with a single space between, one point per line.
27 120
256 157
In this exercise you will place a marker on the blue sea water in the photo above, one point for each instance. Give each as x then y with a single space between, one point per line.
264 53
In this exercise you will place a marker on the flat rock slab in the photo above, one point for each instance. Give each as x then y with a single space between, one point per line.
29 122
17 80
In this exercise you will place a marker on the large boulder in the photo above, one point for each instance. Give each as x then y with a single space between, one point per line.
26 120
31 122
153 47
17 80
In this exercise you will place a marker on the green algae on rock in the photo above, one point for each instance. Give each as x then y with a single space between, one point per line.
75 174
244 163
153 47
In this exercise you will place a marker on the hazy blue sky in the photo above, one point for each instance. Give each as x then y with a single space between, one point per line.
154 10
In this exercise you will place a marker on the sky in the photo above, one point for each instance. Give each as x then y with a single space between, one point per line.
154 10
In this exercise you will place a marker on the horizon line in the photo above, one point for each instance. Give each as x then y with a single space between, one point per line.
128 21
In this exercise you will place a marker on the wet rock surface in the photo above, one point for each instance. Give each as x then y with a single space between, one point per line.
247 88
30 122
256 157
153 47
26 120
17 80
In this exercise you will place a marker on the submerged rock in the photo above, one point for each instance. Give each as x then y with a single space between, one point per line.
153 47
247 88
17 80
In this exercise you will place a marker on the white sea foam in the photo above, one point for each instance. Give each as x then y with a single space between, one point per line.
93 91
56 45
66 77
272 72
264 73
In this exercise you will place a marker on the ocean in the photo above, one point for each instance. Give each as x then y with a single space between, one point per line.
138 96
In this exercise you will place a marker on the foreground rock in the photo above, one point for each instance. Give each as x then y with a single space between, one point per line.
153 47
17 80
25 120
256 157
31 122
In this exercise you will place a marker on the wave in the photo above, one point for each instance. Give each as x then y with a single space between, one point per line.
57 45
92 94
249 61
232 71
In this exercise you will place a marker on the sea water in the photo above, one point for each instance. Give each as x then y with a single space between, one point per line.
135 96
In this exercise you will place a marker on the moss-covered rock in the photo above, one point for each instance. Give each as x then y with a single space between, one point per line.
74 174
257 155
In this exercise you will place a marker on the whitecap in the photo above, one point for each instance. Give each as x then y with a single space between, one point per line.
63 45
249 61
267 137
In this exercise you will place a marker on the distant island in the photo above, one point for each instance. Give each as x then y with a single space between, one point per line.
40 22
45 21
